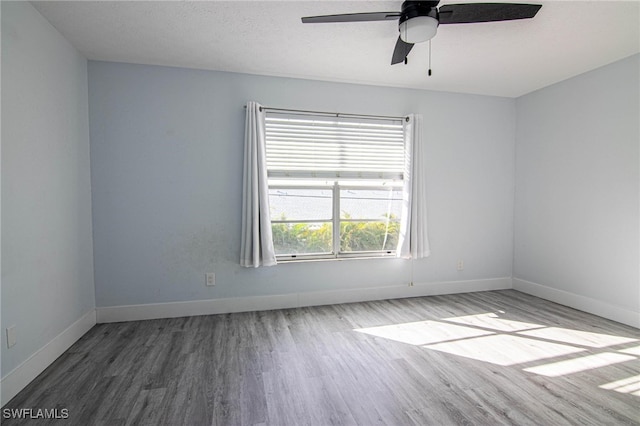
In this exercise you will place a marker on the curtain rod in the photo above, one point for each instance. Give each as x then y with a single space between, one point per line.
333 114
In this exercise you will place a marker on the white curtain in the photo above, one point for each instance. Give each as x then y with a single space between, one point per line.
256 247
413 242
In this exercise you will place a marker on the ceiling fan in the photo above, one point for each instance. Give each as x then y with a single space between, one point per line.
418 20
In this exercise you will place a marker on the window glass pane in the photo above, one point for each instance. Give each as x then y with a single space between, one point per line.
300 204
371 203
369 236
302 238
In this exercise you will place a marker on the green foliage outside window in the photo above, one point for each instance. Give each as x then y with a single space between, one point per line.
368 236
299 238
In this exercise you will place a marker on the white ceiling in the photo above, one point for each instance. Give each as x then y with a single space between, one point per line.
510 59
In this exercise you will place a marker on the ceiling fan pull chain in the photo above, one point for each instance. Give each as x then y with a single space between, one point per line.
406 51
429 73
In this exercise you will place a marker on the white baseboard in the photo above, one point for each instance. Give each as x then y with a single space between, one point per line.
24 373
576 301
292 300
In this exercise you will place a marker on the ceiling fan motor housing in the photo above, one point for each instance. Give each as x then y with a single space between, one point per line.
412 9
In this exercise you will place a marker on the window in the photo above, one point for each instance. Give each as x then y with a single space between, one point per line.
335 185
333 182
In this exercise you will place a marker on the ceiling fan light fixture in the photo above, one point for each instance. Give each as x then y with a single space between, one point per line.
418 29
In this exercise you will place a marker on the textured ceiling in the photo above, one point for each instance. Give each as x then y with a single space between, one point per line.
566 38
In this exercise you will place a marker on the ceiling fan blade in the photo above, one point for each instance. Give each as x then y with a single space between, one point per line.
352 17
486 12
401 51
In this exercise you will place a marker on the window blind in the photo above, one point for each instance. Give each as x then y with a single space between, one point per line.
309 146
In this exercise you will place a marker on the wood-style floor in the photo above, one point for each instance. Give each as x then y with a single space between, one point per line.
487 358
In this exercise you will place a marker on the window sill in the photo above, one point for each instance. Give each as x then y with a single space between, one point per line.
333 259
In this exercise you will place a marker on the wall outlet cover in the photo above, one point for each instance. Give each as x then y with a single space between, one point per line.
11 336
210 279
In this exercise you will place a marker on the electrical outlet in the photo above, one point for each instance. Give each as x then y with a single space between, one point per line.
211 279
11 336
460 265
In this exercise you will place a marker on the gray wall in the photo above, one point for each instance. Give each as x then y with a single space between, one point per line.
47 260
577 186
166 160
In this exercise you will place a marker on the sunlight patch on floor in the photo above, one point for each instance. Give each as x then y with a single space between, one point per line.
576 365
488 337
504 349
492 321
629 385
423 332
631 351
576 337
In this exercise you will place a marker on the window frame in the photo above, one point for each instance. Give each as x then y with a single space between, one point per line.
378 166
